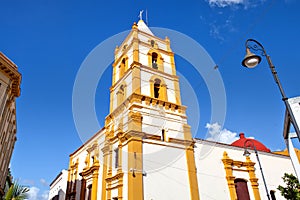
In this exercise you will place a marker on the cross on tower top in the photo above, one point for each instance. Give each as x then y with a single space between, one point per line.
141 15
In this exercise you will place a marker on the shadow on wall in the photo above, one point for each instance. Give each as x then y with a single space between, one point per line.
60 196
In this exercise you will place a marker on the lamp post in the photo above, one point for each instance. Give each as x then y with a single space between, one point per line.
247 153
252 60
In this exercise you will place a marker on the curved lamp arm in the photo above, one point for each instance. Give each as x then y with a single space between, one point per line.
257 46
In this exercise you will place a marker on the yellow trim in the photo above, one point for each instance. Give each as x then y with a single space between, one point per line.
172 61
121 95
160 60
122 67
192 173
105 150
286 153
120 189
120 157
138 98
187 132
177 92
228 166
72 178
135 156
163 88
152 36
167 40
111 105
94 171
70 168
229 175
135 43
136 79
252 178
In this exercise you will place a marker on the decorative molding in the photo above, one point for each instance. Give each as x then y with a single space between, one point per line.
229 165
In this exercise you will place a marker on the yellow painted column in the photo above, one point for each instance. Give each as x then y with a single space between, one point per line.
177 92
136 79
135 42
164 92
95 181
109 171
136 71
252 178
151 88
229 175
172 61
135 158
111 102
135 176
104 174
187 132
190 158
192 172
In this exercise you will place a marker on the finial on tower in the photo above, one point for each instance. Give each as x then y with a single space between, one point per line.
141 15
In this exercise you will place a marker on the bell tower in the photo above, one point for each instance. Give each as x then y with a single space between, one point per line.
148 141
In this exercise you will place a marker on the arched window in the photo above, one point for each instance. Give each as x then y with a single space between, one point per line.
154 60
116 158
156 88
163 135
241 189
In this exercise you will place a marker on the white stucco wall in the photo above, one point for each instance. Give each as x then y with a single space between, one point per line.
167 63
143 57
59 186
145 85
129 39
211 172
166 174
156 118
81 154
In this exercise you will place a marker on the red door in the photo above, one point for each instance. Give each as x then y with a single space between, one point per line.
241 189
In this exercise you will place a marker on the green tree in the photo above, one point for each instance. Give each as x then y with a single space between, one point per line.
292 189
16 192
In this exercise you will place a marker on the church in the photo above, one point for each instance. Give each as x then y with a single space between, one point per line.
146 149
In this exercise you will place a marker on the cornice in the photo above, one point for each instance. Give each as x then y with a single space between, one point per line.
8 68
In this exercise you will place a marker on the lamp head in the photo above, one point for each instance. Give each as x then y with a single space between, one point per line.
246 153
250 60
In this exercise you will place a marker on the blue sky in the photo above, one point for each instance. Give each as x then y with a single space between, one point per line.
49 40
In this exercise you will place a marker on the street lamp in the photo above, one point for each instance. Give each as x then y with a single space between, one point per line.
247 153
252 60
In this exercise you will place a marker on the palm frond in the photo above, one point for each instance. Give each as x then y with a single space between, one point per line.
17 192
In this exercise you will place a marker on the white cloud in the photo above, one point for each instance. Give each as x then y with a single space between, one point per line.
28 182
44 182
215 32
34 194
222 27
220 135
45 195
224 3
236 3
